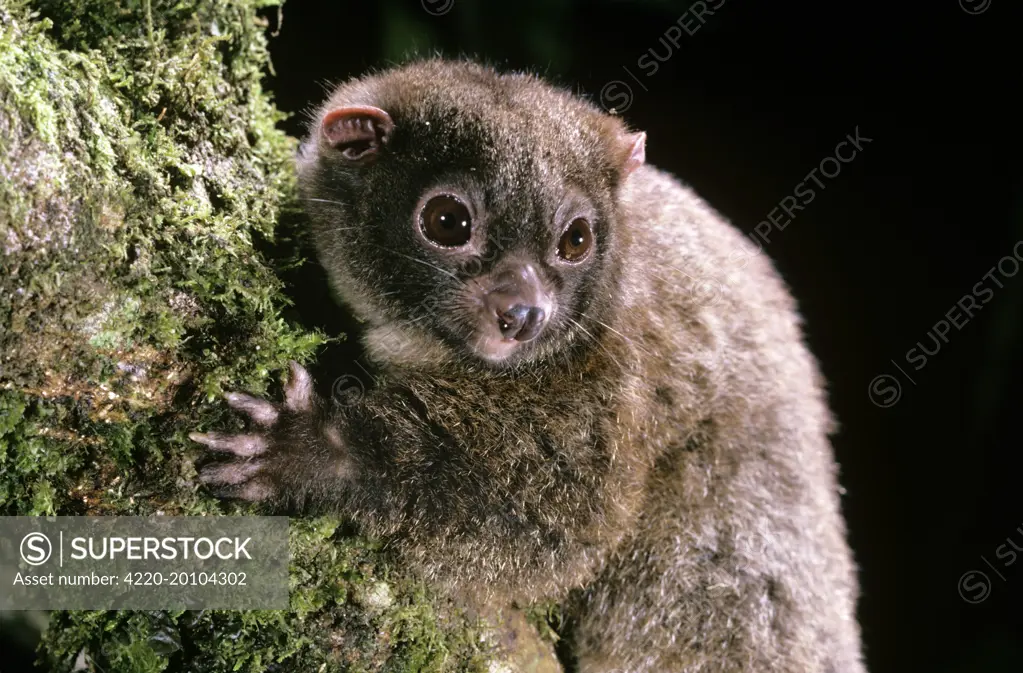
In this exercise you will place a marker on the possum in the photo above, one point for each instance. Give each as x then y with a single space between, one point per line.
592 389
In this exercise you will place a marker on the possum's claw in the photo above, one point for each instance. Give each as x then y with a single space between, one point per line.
239 445
242 477
260 411
298 394
260 464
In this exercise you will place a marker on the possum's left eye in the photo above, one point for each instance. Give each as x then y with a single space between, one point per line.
575 243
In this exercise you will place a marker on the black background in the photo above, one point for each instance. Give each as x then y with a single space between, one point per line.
743 110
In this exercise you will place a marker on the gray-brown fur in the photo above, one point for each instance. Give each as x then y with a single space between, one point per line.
661 446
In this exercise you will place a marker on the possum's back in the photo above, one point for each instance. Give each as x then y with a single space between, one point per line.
742 508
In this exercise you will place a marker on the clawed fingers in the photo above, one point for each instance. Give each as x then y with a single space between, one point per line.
298 393
242 479
229 473
239 445
260 411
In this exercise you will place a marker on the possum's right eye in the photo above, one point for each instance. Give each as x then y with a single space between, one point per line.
446 221
576 241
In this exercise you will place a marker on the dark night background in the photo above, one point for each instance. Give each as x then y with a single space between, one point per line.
743 110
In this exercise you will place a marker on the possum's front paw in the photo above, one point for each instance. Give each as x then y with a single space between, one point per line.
280 457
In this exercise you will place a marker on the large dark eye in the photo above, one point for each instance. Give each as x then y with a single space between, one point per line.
576 241
446 221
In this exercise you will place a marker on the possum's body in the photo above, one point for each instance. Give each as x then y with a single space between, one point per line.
661 446
739 554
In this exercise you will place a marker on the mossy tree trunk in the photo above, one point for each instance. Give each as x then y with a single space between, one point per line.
139 164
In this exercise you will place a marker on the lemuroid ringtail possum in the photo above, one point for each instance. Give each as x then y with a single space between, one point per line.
591 386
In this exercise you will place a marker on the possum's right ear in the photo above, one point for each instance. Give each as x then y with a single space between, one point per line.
358 132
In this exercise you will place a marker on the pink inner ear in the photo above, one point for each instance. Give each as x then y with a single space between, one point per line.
357 130
636 142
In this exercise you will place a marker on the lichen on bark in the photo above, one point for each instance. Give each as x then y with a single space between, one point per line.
140 167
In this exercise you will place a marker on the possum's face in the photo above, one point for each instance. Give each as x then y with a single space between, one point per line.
454 206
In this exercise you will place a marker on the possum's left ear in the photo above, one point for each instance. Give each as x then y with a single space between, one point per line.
358 132
633 150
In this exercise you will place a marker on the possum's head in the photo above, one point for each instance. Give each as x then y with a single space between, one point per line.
464 213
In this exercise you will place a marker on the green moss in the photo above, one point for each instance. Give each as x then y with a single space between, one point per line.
548 619
139 167
333 626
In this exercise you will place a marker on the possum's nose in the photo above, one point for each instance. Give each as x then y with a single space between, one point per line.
518 302
521 323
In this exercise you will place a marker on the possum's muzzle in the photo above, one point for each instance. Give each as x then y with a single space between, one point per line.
515 308
520 322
